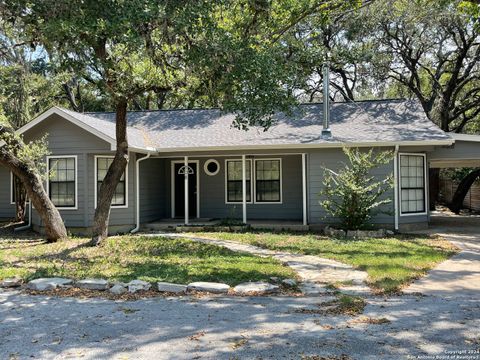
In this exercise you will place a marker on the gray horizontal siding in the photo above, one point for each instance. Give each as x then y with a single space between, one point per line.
153 193
156 191
66 138
7 211
335 159
118 216
212 193
461 150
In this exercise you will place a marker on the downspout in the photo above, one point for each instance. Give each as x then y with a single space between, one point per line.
137 193
29 224
395 185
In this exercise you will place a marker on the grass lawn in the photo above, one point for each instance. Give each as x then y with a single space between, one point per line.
390 263
127 258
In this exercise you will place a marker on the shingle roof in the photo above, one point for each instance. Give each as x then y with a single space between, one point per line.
367 122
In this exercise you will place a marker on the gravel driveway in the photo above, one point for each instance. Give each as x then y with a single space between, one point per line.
242 328
226 328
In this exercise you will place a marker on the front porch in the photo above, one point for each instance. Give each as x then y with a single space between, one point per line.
274 225
262 190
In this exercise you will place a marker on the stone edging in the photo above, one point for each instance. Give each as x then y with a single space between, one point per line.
138 286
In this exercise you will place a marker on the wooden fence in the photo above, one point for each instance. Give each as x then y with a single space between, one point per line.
472 200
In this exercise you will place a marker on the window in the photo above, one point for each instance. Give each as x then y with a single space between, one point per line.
211 167
234 181
62 184
13 189
412 184
268 180
102 164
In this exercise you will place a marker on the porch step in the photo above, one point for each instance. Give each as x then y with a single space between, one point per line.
275 226
279 227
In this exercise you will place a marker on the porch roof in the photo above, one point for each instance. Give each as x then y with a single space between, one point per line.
364 123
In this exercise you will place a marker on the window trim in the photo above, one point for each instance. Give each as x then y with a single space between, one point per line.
252 177
425 189
255 183
205 167
75 157
12 202
95 195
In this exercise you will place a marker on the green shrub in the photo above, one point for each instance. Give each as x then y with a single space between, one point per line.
352 194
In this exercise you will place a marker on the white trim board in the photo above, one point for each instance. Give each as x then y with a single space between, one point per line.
425 189
172 185
95 195
76 178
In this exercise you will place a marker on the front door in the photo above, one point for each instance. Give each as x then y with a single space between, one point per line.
180 189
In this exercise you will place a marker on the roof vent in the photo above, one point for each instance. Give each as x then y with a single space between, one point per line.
326 132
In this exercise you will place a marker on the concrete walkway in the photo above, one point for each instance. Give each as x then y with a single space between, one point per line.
315 272
460 275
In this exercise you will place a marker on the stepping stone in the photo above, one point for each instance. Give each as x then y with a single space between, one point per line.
171 288
138 285
289 282
211 287
310 288
93 284
44 284
255 288
11 283
118 289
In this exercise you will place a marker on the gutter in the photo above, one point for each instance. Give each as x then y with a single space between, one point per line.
29 224
326 145
395 186
137 194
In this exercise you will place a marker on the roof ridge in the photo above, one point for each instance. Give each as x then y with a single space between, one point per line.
217 108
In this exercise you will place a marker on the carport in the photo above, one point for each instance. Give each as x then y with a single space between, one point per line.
464 153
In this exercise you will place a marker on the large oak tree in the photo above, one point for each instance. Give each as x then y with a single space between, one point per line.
224 53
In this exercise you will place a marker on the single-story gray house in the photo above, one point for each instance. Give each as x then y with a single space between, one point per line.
192 166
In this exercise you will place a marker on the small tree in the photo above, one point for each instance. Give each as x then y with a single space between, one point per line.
354 195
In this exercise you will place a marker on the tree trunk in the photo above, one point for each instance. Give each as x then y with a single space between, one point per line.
434 187
20 199
462 190
112 178
32 182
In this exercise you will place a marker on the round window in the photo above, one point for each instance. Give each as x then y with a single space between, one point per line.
212 167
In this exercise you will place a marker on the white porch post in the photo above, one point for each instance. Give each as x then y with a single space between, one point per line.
304 188
244 189
186 190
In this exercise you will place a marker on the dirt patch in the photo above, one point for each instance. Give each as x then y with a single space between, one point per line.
343 305
369 320
87 293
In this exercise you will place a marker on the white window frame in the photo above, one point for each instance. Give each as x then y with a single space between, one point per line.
205 167
95 166
12 202
252 192
76 178
425 188
255 183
